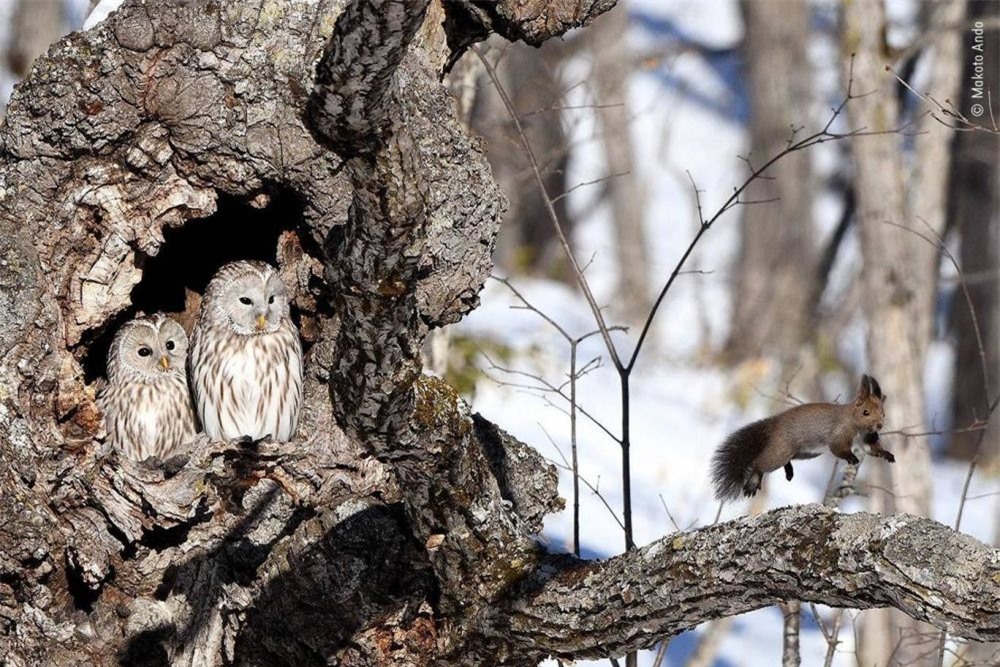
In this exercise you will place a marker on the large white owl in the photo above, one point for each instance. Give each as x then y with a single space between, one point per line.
146 403
246 356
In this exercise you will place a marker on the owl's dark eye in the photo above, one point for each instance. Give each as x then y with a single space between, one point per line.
867 413
245 300
145 352
170 345
271 300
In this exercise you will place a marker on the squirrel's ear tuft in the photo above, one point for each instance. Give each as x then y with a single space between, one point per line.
864 390
875 389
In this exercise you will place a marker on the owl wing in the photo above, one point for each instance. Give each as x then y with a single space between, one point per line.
204 392
100 389
129 420
290 388
224 381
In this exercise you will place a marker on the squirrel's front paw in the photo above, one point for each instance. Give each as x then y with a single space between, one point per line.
888 456
852 459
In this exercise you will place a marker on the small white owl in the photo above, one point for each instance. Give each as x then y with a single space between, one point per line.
146 402
246 356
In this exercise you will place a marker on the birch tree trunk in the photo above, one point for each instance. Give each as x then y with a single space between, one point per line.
396 528
528 243
34 25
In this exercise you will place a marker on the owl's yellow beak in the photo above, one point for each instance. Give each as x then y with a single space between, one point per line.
164 363
261 321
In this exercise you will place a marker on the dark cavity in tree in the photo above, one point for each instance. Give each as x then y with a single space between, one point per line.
190 256
83 596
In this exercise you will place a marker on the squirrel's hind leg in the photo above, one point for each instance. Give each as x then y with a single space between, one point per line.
789 471
751 485
842 450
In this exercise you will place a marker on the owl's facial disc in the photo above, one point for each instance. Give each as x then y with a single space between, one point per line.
173 347
154 347
256 305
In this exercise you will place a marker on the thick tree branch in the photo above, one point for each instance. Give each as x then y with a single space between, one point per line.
533 21
578 609
413 255
356 71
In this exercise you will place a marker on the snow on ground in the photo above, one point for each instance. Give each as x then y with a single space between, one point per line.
680 412
681 408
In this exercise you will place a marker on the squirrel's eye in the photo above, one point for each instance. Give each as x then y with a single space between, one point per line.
170 345
271 300
867 413
245 300
145 352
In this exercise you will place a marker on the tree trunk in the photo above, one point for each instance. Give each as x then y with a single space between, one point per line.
900 268
612 66
974 212
777 263
527 242
34 25
395 529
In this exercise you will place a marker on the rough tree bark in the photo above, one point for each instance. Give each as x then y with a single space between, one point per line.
396 529
777 260
900 270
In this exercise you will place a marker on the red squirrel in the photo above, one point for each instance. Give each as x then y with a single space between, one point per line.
802 432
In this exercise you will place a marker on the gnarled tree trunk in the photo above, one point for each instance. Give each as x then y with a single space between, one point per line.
396 529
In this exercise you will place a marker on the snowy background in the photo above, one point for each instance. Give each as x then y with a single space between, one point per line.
688 116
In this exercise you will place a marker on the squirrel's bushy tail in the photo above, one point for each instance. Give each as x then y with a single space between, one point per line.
731 464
